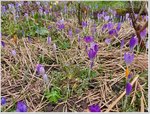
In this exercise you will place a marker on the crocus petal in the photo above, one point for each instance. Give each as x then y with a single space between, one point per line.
133 42
128 88
45 78
128 57
106 18
88 39
3 44
94 108
40 69
13 52
118 27
49 40
107 41
91 54
3 101
21 107
143 34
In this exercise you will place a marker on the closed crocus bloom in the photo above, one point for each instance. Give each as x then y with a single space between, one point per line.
133 42
45 78
128 88
49 40
104 27
40 69
118 27
3 44
127 16
70 33
21 107
94 108
107 41
143 34
88 39
99 16
110 25
106 18
13 52
128 58
84 24
3 101
91 54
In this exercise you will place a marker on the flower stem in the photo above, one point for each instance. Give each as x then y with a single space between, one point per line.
125 103
89 73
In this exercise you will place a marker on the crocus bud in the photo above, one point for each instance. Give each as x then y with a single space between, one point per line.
45 78
54 47
128 88
13 52
21 107
40 69
3 101
94 108
49 40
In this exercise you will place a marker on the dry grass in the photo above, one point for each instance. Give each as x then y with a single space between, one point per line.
19 80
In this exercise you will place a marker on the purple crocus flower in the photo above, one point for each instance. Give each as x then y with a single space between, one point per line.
112 32
94 46
13 52
110 25
3 44
45 78
29 39
143 34
104 27
84 24
21 107
40 11
3 101
40 69
3 9
61 26
122 43
107 41
128 58
99 16
77 31
88 39
91 54
118 27
94 108
106 18
127 16
49 40
133 42
128 88
129 76
70 33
